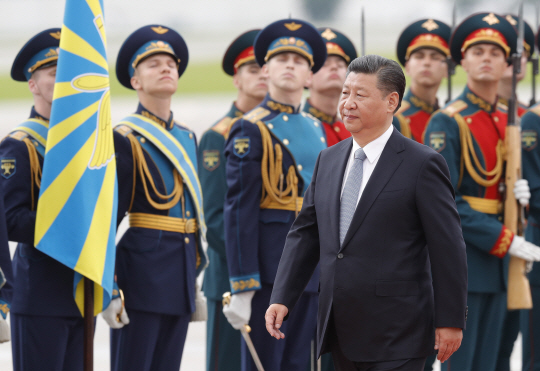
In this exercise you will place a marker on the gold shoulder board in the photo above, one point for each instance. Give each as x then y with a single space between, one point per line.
256 115
123 129
404 106
222 126
19 135
454 108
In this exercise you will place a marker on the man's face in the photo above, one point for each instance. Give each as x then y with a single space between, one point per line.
521 75
157 75
362 105
426 67
288 71
484 63
42 83
250 80
331 76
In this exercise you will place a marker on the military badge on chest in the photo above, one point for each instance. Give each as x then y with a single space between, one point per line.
529 139
8 167
211 160
241 147
437 140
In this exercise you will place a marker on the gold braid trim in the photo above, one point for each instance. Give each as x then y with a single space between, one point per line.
467 151
405 126
272 176
140 161
35 169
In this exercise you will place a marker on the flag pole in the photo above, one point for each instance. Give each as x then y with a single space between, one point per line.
88 324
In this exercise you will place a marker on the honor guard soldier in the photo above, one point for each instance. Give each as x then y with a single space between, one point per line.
423 50
511 323
469 132
43 307
223 341
160 255
326 85
271 153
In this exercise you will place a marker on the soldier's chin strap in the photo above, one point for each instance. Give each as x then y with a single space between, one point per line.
273 195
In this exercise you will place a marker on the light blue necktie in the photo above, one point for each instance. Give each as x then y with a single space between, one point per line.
350 193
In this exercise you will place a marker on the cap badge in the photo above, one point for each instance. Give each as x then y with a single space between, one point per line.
56 35
160 30
328 34
52 53
510 19
491 19
430 25
293 26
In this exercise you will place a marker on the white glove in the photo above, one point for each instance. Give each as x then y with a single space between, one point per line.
114 309
238 312
522 192
524 250
5 334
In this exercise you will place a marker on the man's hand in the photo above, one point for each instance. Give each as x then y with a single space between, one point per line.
447 341
238 312
274 319
110 315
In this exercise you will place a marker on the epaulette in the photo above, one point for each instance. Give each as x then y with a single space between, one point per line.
307 114
404 106
454 108
256 115
19 135
223 126
535 109
183 126
502 106
123 129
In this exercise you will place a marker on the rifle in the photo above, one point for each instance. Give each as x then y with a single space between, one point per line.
450 62
534 63
519 291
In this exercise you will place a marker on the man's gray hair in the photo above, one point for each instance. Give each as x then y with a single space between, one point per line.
390 77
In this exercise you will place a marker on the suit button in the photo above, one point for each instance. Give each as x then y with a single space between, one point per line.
186 240
340 256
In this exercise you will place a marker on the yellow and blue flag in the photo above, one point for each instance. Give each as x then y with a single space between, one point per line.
76 213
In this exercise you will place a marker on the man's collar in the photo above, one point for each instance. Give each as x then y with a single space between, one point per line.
474 100
419 103
275 106
35 115
318 114
146 113
374 148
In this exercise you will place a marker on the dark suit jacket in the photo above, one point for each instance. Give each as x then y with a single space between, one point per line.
402 268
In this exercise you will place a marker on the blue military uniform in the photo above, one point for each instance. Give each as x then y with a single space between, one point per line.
271 153
469 132
160 255
412 117
222 340
530 319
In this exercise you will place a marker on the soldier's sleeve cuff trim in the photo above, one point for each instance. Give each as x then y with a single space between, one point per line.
115 291
503 243
4 308
245 283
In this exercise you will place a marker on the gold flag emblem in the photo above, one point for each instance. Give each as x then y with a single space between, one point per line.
293 26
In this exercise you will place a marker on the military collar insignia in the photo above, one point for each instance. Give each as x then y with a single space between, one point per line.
144 112
276 106
318 114
491 19
419 103
477 101
293 26
430 25
328 34
160 30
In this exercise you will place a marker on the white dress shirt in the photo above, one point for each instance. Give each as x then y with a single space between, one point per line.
373 151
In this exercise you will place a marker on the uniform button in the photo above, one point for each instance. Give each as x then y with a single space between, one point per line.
323 140
190 135
316 124
285 118
500 218
340 256
36 143
188 213
143 140
469 120
496 119
270 126
186 240
300 167
336 129
286 142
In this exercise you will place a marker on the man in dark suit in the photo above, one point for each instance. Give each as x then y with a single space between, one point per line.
380 218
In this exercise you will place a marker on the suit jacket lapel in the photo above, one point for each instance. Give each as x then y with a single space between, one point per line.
335 181
385 168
